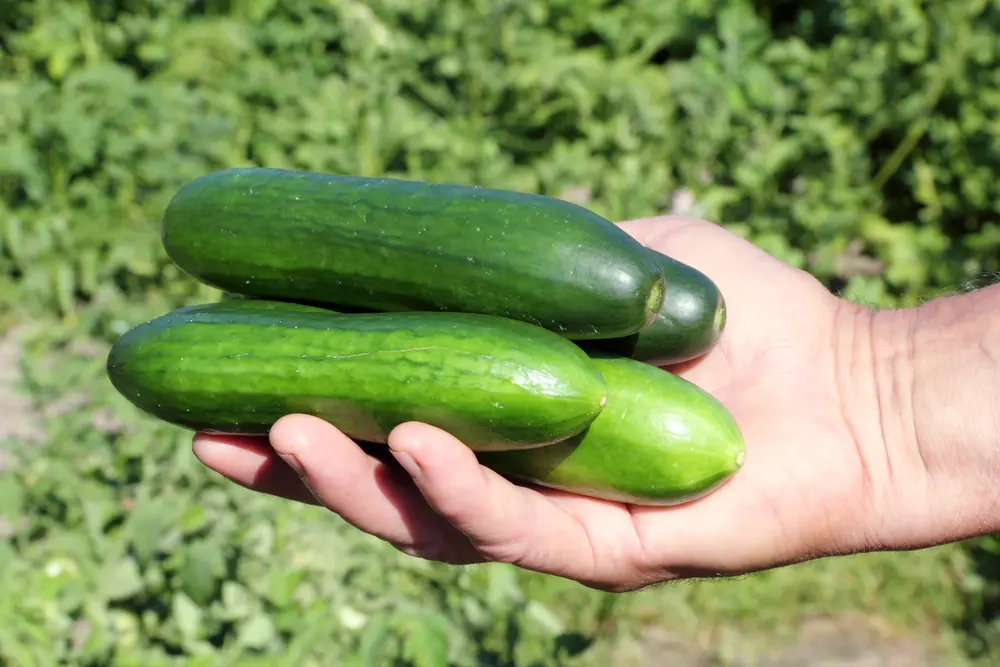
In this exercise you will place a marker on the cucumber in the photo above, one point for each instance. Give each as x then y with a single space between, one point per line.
689 323
236 366
393 246
660 440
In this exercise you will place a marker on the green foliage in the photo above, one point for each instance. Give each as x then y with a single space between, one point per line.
836 130
854 138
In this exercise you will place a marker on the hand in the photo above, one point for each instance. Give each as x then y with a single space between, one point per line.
807 488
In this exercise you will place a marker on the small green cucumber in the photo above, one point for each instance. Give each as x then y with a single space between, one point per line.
689 323
660 440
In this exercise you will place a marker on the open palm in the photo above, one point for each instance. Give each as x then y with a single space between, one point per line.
802 493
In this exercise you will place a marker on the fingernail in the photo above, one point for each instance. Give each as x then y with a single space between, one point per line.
204 447
293 463
408 463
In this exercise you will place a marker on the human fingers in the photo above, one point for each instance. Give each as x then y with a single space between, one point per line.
703 245
373 496
251 463
509 523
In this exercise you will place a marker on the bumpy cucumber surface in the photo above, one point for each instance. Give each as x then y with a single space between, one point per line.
689 323
239 365
393 245
660 440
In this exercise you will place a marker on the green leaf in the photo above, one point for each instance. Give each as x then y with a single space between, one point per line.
426 642
201 568
237 601
544 617
149 523
188 616
503 585
193 519
11 498
281 583
377 636
316 627
256 632
121 580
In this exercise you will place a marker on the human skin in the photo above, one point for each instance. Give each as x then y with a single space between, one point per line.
865 430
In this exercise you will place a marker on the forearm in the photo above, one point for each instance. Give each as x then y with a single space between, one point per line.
935 393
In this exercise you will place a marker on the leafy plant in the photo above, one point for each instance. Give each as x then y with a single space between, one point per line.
852 138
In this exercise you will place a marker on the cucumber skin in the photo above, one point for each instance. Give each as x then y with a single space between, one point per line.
393 245
689 323
660 440
237 366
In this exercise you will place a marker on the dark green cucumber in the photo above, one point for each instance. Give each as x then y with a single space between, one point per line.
237 366
689 323
393 245
660 440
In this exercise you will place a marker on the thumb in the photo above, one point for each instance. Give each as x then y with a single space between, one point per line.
504 521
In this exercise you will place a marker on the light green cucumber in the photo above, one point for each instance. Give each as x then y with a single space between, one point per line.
660 440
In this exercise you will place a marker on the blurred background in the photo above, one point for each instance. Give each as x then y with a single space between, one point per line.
858 139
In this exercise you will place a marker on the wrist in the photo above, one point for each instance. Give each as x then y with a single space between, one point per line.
929 379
